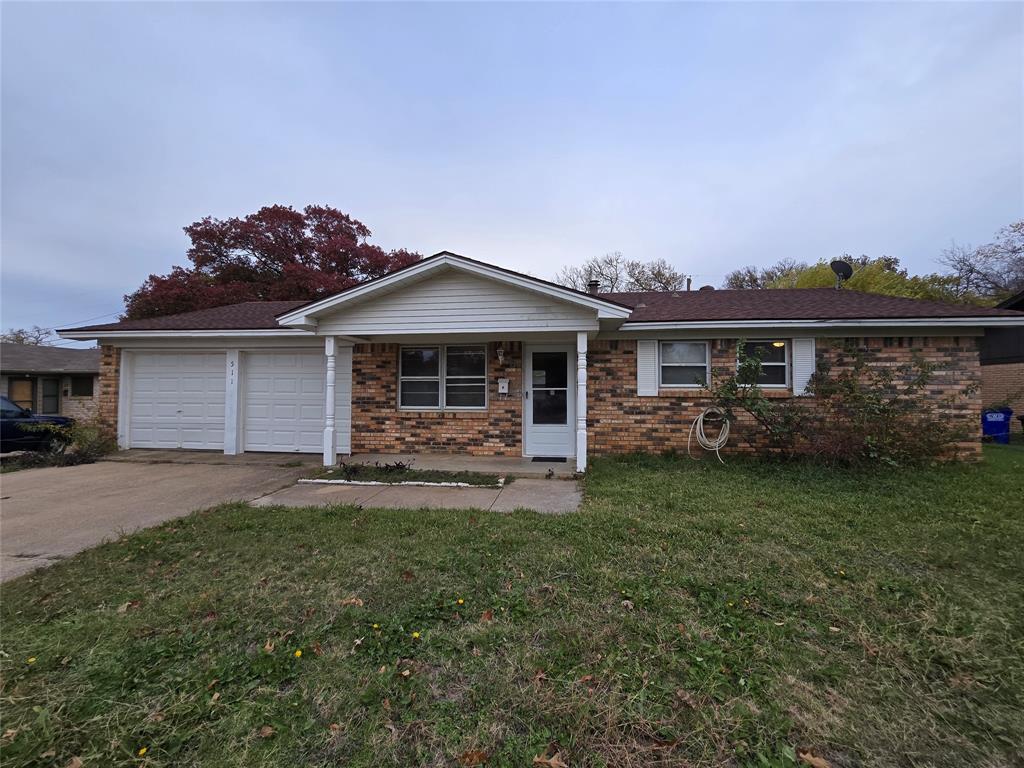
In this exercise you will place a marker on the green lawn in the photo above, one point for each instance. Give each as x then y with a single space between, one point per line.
689 614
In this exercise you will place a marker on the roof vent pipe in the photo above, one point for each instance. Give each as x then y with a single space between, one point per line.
689 283
593 287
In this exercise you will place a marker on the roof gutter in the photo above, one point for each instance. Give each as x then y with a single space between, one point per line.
950 322
194 334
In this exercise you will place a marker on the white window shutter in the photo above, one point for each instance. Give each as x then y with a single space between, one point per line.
803 364
647 367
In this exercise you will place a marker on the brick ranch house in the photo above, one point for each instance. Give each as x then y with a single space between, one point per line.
50 380
455 355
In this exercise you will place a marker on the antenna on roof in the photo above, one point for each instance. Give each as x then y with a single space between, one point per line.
843 272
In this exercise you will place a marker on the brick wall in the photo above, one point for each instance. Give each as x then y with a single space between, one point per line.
77 407
109 386
378 426
620 422
1003 383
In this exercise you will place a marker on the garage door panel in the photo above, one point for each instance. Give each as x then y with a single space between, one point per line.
287 384
177 400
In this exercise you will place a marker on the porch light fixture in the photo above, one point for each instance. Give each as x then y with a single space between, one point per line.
778 344
500 352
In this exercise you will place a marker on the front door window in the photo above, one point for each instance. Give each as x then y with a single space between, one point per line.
550 388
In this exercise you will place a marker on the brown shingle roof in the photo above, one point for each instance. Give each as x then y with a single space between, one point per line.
648 307
787 304
36 358
249 315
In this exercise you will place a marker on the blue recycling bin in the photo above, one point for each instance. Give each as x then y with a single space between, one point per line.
995 423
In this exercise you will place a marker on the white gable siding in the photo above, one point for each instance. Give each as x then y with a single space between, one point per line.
457 302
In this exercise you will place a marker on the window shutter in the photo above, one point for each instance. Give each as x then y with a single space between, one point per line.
647 368
803 364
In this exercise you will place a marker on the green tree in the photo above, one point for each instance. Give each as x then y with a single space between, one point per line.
882 274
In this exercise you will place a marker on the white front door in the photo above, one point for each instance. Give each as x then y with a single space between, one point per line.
284 401
549 400
177 400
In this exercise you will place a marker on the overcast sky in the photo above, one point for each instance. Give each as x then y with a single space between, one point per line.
527 135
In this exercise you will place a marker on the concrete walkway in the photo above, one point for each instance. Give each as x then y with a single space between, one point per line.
551 496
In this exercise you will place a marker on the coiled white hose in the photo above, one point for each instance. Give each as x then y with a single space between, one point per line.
718 415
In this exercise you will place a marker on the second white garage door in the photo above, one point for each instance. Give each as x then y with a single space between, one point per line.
284 401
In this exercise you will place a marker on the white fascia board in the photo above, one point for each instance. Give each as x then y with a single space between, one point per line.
260 333
306 316
894 322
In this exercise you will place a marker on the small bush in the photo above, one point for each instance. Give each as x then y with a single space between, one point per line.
82 442
859 413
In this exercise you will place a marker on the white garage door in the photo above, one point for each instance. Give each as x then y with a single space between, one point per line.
176 400
284 401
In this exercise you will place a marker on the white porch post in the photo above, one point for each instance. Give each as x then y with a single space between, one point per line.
330 442
232 403
581 401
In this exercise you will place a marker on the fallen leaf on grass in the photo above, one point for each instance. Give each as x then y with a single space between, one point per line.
627 604
813 761
473 757
685 699
407 576
352 601
268 647
124 608
334 727
487 615
266 732
555 761
74 762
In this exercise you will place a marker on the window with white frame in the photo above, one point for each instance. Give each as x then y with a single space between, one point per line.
435 377
774 357
684 363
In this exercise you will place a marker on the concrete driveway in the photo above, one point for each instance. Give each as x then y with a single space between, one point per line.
47 514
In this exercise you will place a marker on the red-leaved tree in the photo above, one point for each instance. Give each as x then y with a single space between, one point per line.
277 253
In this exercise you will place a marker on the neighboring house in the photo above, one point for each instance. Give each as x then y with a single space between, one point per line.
454 355
1002 362
51 380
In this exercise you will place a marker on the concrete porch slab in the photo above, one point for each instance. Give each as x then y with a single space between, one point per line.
516 466
549 496
505 466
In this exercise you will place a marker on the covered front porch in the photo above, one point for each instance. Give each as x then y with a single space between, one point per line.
456 398
454 355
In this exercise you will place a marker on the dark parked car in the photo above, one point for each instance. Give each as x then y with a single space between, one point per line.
14 436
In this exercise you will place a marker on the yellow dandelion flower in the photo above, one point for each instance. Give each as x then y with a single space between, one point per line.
460 601
298 653
376 626
143 750
415 635
31 660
